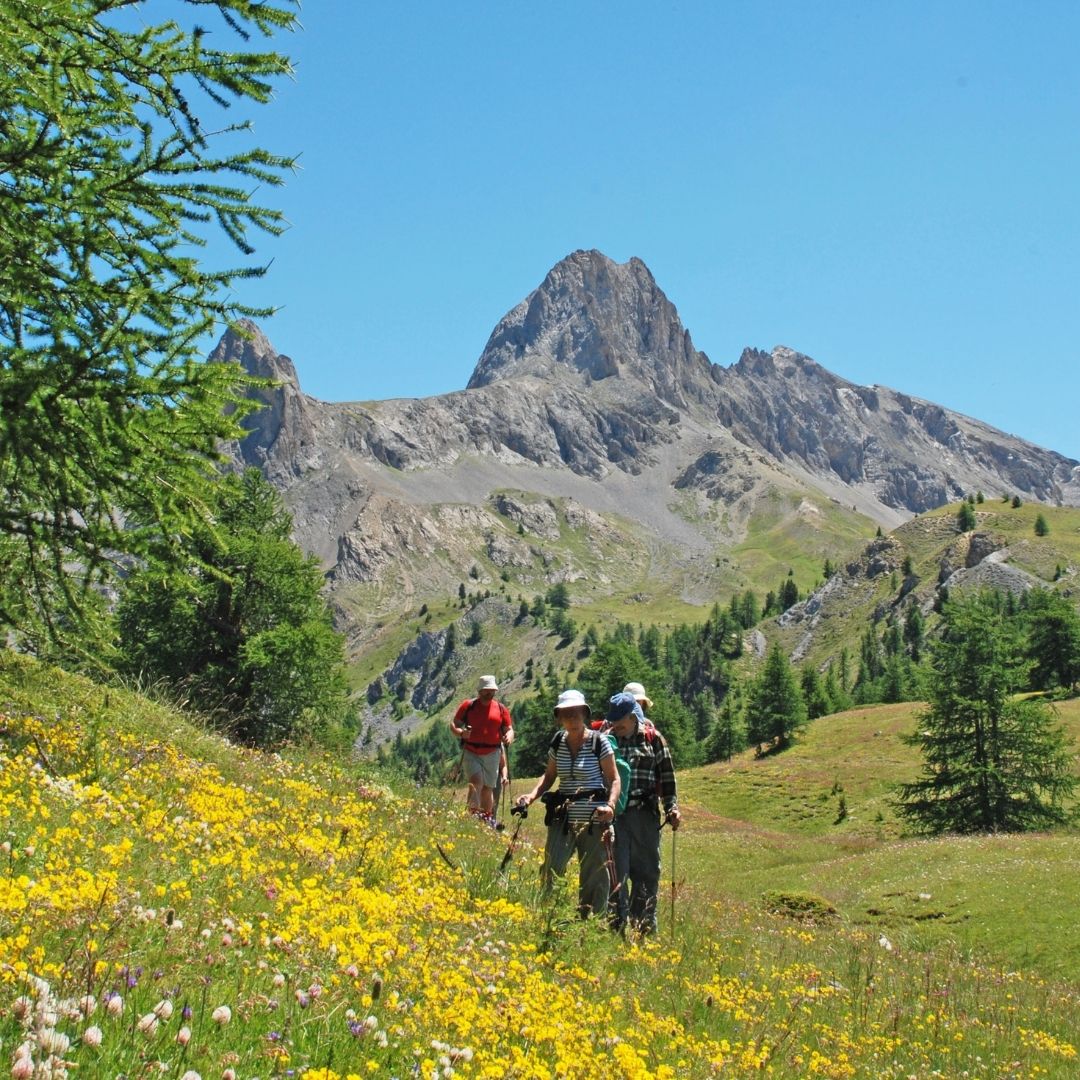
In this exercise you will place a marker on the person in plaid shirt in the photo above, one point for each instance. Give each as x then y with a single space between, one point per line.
637 829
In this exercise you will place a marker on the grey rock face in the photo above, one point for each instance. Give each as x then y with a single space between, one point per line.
282 438
600 319
538 518
913 454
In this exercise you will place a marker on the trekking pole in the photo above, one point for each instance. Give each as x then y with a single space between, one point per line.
506 786
522 812
673 832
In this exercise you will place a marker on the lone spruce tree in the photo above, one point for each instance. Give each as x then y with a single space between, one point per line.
118 162
775 709
990 762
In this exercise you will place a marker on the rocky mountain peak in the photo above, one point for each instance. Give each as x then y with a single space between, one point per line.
245 344
281 434
600 320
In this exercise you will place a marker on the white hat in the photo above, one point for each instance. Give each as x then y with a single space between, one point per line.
572 699
638 692
487 682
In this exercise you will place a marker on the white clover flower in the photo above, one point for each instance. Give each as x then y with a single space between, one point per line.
229 1074
55 1042
148 1024
87 1005
221 1015
885 943
191 1074
21 1007
163 1009
23 1068
278 980
92 1036
183 1036
115 1006
370 1023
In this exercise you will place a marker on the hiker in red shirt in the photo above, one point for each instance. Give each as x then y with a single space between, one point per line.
484 727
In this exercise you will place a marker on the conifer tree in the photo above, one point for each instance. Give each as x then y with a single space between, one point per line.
1042 528
965 517
115 166
914 632
1053 640
815 693
775 709
728 734
534 728
990 762
243 628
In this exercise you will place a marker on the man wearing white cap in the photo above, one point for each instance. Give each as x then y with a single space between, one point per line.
484 727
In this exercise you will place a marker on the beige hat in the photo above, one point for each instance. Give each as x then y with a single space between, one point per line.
487 682
638 691
572 699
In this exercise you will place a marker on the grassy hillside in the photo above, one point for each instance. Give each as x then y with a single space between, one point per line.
613 566
174 906
775 824
935 548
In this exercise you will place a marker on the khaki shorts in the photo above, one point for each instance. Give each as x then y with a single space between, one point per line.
487 765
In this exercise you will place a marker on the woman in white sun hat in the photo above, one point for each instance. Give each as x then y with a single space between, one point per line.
582 809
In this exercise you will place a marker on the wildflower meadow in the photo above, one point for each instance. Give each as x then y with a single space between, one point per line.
173 906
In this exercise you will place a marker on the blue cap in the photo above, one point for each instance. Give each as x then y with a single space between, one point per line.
622 704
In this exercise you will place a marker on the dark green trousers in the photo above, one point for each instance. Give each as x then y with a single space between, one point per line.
637 863
593 882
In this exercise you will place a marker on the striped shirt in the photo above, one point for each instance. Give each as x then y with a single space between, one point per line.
580 771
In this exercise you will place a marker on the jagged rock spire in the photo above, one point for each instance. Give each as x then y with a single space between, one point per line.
601 320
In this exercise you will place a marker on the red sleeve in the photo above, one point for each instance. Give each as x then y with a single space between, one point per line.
507 719
462 709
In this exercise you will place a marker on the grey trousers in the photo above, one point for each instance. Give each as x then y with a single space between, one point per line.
593 882
637 862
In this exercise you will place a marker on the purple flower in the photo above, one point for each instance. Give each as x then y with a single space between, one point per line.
186 1013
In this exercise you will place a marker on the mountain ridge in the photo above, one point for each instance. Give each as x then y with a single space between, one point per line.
592 389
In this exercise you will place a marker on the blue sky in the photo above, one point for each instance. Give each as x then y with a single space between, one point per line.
893 189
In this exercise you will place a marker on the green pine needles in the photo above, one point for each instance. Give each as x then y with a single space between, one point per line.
992 762
110 186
